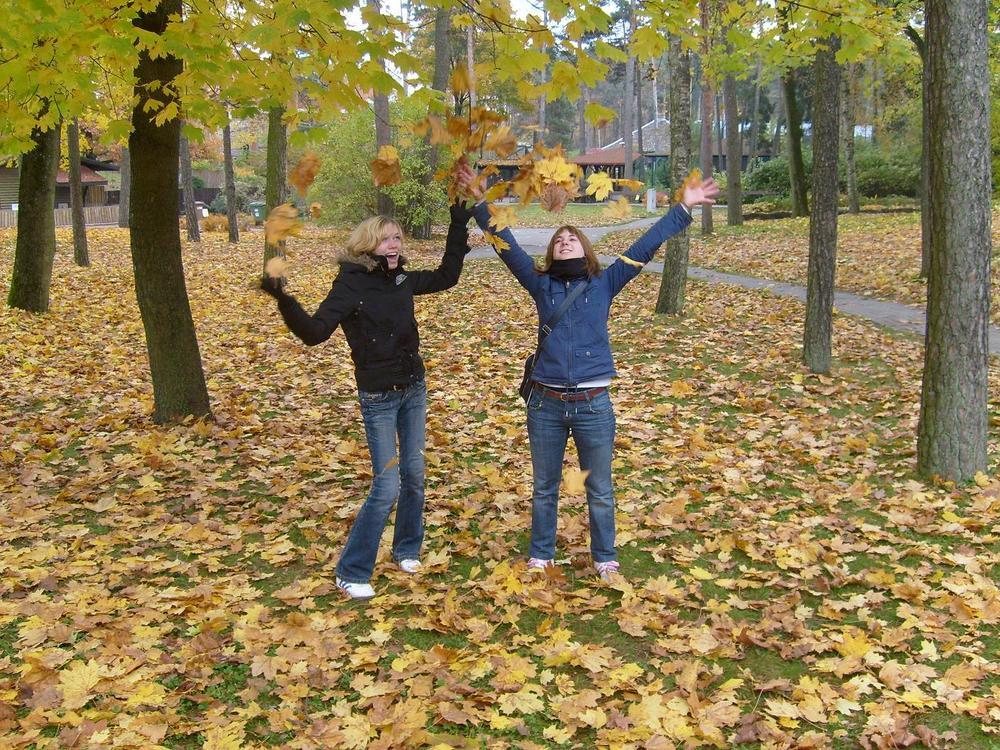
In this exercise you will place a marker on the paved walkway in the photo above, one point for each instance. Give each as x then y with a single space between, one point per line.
894 315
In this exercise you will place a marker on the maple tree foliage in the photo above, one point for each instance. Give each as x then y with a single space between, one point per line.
789 582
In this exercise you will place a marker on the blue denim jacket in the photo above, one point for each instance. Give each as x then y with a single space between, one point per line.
578 349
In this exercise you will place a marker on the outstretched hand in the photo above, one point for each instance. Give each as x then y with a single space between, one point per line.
273 286
703 194
468 180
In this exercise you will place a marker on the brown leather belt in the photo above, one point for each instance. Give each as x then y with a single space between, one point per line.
573 395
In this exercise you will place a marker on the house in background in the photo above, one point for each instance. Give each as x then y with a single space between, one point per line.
95 185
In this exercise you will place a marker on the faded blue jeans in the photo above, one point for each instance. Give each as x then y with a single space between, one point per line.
591 422
388 415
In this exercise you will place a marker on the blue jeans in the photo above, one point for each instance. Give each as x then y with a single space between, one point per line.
388 414
591 422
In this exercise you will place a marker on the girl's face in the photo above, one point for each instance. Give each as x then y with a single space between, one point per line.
390 245
567 245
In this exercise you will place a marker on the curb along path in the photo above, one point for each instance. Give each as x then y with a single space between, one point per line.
894 315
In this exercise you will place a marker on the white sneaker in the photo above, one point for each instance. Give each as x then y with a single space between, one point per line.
608 571
356 590
410 566
536 563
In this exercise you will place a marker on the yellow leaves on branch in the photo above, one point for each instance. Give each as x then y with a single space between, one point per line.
281 223
386 169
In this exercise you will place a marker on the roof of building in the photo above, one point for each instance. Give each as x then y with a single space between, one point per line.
87 177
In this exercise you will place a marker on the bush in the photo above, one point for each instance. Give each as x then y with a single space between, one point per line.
885 173
215 223
769 179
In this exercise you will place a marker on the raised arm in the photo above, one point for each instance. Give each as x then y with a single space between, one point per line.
675 221
513 256
456 246
317 328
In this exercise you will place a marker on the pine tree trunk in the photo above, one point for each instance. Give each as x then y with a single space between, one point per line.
638 113
125 189
796 166
174 360
705 151
275 186
847 134
673 284
817 338
187 183
734 154
80 255
953 425
232 210
36 224
779 118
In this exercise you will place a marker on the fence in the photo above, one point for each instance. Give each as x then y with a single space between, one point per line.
92 215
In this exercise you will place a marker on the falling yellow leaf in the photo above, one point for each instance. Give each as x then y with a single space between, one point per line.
502 217
386 169
459 82
554 198
501 142
693 179
574 481
599 185
618 209
629 183
304 173
281 223
315 209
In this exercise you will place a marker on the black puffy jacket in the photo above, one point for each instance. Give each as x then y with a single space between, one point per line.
375 309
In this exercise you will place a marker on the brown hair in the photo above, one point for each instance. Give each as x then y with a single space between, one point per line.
365 238
593 264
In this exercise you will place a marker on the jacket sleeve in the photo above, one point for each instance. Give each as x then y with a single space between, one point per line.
514 257
629 264
456 246
317 328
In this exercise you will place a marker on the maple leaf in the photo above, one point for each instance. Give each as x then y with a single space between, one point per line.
599 185
281 223
499 244
574 481
618 209
229 737
502 217
635 185
78 681
304 173
501 142
386 169
458 81
554 198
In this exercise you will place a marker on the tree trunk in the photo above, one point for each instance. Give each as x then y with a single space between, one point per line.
276 185
755 119
80 255
174 360
796 166
779 118
187 182
638 112
227 166
734 154
848 105
816 350
581 108
707 97
673 284
124 191
470 60
953 423
925 141
36 224
438 83
383 137
719 148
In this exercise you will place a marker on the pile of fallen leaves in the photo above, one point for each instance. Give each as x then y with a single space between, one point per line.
877 254
788 582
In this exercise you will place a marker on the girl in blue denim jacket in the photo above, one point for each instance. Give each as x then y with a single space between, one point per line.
575 366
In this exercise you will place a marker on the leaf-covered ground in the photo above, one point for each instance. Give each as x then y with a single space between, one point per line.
877 254
788 582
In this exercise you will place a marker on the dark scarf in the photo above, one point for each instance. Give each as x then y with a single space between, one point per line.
568 270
